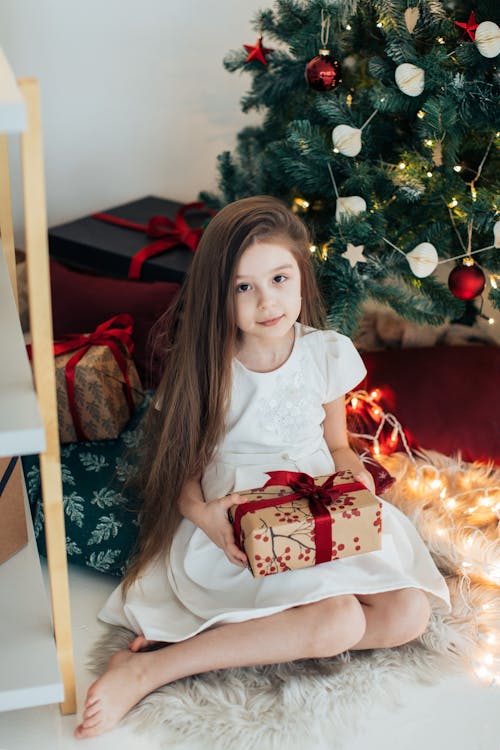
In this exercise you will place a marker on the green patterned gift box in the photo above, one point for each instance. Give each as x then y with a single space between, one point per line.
100 507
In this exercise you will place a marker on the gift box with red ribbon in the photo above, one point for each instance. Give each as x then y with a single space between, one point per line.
98 387
151 239
297 521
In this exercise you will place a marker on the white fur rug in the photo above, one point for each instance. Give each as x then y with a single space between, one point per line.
283 706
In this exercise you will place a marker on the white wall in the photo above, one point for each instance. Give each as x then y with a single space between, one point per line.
135 99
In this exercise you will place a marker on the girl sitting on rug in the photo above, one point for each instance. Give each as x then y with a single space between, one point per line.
252 383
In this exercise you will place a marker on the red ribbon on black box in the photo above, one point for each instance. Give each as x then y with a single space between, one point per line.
318 495
114 333
167 233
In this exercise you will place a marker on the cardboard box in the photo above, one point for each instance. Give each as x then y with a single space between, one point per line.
93 245
13 529
283 527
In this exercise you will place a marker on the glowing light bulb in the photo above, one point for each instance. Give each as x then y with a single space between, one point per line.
442 494
402 165
487 659
493 280
491 639
379 25
457 168
429 142
348 27
436 484
453 203
354 403
473 193
483 673
440 40
301 202
336 151
375 393
485 501
313 248
376 449
421 114
429 174
491 321
440 532
451 503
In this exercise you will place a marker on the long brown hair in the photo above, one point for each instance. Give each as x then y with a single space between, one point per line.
186 419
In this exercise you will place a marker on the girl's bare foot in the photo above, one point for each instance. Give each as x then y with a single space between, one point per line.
113 695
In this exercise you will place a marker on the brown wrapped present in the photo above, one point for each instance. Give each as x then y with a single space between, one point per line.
97 384
297 521
13 530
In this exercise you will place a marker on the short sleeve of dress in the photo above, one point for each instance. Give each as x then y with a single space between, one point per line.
344 367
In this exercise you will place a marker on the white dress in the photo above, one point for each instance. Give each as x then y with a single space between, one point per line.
274 423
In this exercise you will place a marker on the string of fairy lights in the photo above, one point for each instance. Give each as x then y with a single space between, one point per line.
461 510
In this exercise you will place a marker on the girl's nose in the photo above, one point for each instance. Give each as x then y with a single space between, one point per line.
265 298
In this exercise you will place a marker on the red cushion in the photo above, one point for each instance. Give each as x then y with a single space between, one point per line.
81 301
446 396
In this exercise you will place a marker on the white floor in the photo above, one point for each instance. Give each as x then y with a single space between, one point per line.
458 713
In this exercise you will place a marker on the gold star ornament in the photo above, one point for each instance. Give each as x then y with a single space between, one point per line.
354 254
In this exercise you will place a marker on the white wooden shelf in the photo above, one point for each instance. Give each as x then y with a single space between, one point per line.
30 673
36 652
21 428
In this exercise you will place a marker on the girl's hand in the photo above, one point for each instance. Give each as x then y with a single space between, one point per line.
365 478
215 523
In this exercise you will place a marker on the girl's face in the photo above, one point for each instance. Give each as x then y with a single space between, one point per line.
267 288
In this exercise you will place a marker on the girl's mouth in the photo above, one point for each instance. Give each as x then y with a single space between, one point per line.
271 321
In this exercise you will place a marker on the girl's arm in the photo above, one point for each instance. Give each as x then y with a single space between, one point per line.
212 518
335 432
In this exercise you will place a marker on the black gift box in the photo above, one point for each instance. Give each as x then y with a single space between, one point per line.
91 244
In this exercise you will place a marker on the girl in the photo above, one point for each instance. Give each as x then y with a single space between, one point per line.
252 384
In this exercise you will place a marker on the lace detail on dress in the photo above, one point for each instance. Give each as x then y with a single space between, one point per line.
290 406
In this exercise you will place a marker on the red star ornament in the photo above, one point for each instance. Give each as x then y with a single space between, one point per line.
469 26
257 52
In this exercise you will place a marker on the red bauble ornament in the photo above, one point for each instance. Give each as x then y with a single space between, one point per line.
467 280
323 72
469 27
257 51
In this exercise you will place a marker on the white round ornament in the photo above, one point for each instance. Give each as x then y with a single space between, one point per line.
488 39
348 206
347 140
410 79
496 233
423 259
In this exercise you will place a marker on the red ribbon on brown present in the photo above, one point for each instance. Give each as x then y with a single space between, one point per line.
168 234
318 495
113 333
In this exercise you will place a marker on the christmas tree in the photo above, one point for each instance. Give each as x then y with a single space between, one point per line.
381 129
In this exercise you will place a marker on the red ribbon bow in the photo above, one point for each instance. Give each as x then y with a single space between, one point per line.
168 234
318 496
115 333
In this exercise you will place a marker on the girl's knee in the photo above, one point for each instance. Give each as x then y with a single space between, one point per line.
411 616
339 624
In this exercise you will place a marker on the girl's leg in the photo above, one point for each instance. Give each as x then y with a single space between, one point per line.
324 628
393 617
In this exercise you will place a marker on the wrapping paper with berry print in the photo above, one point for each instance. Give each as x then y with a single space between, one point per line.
297 521
100 395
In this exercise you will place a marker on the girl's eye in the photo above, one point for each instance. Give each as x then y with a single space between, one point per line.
242 288
280 278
